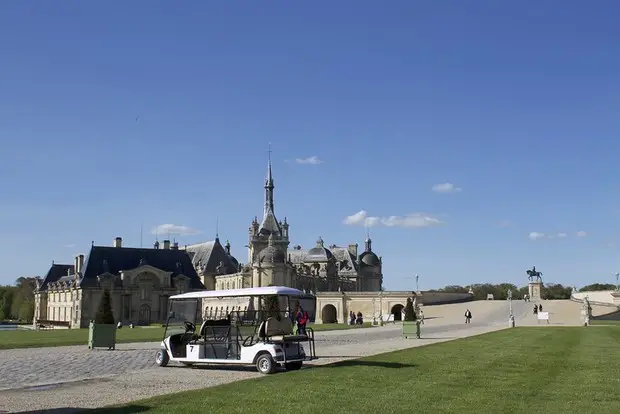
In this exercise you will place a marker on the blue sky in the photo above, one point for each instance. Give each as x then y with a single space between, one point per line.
514 103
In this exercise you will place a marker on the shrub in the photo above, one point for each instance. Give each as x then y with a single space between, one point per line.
409 311
104 315
271 307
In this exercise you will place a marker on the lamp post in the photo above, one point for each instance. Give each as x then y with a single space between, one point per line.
381 308
417 283
374 311
617 284
511 317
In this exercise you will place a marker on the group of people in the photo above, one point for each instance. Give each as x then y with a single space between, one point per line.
537 308
356 319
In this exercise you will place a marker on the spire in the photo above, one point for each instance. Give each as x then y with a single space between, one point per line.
269 185
217 228
269 223
368 240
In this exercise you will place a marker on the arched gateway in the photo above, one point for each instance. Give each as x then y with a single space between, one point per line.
329 314
397 311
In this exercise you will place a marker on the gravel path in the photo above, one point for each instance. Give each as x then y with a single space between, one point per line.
37 378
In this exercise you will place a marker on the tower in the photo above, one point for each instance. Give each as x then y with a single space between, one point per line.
269 227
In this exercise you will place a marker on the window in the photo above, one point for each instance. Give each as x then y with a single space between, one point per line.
143 292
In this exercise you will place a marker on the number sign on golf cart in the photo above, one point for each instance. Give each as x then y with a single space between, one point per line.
260 335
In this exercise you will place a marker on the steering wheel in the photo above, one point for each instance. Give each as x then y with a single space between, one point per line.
189 327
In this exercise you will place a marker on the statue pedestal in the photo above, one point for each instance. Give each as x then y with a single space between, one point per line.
534 290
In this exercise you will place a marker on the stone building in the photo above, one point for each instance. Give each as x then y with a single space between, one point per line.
140 282
272 262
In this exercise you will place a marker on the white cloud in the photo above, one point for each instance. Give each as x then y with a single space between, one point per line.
581 234
314 160
562 235
446 188
177 230
356 219
534 235
410 220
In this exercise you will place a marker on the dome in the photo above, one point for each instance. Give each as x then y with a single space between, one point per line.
370 259
271 254
318 253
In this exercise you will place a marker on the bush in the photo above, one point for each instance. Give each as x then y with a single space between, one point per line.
409 311
104 315
271 307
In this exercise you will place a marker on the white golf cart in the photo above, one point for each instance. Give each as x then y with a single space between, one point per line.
237 327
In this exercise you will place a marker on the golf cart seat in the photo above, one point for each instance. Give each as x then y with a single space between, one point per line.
279 330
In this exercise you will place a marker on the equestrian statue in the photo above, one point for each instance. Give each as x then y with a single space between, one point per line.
533 275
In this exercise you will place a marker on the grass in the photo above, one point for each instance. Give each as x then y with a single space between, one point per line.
547 370
23 338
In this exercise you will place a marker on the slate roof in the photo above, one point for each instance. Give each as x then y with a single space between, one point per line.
102 259
209 254
339 253
56 272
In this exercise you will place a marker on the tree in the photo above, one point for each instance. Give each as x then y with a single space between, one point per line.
597 286
454 289
556 291
22 303
104 315
26 311
271 307
6 301
409 311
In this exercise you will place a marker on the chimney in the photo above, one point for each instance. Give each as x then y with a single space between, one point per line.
118 242
81 264
166 244
353 250
76 264
175 246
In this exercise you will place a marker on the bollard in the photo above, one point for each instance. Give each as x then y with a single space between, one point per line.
511 321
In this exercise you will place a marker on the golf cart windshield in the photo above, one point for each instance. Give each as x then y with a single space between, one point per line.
182 311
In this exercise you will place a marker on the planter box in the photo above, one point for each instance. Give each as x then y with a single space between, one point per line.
101 336
411 329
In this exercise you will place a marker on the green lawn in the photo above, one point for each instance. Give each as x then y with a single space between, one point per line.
58 337
544 370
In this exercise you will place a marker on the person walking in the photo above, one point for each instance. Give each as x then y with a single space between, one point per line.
467 316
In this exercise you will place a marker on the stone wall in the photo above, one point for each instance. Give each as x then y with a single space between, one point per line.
443 298
334 307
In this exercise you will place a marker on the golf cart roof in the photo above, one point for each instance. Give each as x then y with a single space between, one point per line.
258 291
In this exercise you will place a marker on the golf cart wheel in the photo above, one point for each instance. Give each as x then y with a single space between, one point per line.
162 358
265 364
294 366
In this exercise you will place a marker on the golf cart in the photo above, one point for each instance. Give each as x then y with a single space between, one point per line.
237 327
